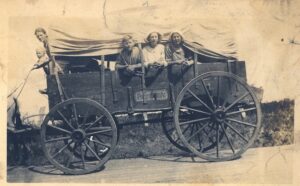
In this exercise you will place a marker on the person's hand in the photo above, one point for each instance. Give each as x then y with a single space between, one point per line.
185 63
157 65
35 66
131 67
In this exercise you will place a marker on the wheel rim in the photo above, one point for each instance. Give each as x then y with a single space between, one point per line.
223 110
78 136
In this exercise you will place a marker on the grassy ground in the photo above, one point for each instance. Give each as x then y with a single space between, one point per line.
278 124
142 141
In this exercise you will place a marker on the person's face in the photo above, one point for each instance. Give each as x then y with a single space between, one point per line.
176 38
153 39
41 36
40 54
128 45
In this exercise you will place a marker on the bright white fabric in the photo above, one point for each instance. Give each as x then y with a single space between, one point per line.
152 55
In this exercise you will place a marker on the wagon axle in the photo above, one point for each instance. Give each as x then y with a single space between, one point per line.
78 135
218 115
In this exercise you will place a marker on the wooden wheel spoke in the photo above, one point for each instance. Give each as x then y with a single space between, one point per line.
108 146
208 94
65 119
171 129
186 129
197 98
57 139
240 111
227 137
199 130
93 152
61 150
82 153
96 121
98 128
72 157
193 121
86 149
237 132
86 116
209 137
198 137
236 101
58 128
107 135
177 139
241 122
195 110
218 92
100 143
75 114
217 131
99 132
191 132
70 160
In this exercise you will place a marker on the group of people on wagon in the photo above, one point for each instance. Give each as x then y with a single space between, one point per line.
129 61
153 54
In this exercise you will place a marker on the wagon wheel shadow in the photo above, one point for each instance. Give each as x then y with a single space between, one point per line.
182 158
51 170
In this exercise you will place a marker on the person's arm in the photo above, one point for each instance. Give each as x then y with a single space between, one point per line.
119 64
41 63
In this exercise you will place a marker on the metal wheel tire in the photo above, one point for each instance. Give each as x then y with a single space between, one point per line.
78 136
217 104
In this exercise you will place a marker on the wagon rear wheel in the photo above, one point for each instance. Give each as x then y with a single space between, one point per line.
78 136
221 109
171 133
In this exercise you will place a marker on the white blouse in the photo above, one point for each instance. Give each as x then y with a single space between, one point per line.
156 54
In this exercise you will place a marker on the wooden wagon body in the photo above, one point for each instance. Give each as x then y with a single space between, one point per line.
121 94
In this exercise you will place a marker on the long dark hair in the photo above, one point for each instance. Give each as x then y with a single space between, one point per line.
171 36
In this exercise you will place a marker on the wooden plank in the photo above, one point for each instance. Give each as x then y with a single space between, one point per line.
102 75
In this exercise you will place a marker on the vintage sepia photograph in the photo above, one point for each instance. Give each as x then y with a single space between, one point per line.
151 91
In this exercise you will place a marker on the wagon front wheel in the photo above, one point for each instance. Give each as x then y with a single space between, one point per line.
78 136
223 114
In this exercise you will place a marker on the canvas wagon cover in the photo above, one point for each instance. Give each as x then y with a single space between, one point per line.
95 37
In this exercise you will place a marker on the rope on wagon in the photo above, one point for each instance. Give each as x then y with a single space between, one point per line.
21 85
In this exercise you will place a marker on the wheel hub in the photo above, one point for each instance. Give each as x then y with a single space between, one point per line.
78 135
219 116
